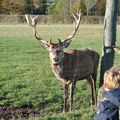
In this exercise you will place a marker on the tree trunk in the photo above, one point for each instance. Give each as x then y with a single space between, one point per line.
109 37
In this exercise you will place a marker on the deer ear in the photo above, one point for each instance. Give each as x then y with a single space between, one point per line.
45 44
66 43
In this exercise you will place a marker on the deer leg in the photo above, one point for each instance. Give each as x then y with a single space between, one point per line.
65 97
92 83
94 77
72 90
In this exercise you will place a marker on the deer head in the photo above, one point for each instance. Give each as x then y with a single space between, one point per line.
55 49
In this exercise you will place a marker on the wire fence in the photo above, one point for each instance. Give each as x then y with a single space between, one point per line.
49 19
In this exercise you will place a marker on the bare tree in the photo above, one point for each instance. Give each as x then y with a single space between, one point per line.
90 4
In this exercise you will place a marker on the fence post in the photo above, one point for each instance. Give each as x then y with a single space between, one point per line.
109 37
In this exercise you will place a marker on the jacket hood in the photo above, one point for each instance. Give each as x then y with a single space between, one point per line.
113 96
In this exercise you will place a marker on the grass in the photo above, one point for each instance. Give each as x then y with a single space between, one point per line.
25 73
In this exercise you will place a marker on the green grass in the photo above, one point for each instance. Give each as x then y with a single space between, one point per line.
25 72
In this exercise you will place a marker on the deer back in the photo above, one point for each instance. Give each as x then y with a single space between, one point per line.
76 64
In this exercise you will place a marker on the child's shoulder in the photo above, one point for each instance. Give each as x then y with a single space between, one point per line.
106 110
113 96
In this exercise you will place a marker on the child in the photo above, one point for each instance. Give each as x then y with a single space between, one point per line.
109 96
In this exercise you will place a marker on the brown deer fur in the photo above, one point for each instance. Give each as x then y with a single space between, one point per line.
72 65
77 65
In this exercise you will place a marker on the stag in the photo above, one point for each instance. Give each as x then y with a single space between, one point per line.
71 65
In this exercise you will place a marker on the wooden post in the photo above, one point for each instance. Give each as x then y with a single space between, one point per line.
109 37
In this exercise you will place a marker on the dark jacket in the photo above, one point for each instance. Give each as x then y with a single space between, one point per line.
109 108
113 96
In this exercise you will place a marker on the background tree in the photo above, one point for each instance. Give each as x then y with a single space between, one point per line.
35 6
100 7
39 6
59 10
90 6
119 8
12 6
77 5
28 6
23 6
1 6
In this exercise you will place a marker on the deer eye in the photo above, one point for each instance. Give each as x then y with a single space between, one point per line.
57 51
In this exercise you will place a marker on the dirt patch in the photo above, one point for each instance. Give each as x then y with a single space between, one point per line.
9 112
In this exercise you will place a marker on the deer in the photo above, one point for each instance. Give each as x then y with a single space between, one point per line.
71 65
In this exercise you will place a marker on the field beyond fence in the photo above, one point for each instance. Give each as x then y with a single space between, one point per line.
28 87
49 19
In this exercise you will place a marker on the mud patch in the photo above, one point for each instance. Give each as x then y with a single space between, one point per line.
9 112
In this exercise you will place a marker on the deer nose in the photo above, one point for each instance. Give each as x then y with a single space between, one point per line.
56 59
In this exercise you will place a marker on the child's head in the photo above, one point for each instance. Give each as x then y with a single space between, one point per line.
112 78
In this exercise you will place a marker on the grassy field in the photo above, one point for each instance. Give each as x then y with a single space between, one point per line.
25 72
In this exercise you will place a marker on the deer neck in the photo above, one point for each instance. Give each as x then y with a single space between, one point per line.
58 69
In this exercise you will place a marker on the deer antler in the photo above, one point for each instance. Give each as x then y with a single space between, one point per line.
77 18
33 22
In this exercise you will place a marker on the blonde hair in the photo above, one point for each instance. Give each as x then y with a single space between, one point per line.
112 78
